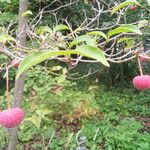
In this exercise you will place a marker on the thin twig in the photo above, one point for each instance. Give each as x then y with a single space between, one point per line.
7 89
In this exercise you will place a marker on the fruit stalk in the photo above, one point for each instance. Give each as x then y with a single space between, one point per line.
8 101
140 66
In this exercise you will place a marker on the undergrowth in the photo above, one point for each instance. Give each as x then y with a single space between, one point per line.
59 112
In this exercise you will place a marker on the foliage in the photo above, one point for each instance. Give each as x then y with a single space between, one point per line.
56 111
121 136
3 138
6 17
89 49
37 57
60 111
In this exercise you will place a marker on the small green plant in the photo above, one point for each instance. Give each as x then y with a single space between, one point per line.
3 137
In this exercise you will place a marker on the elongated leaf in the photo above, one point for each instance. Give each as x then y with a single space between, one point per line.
127 2
90 40
60 27
125 28
98 33
38 57
92 52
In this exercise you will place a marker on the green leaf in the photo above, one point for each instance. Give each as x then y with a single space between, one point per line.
36 120
4 38
98 33
42 112
92 52
43 29
90 40
60 27
125 28
29 12
127 2
37 57
61 78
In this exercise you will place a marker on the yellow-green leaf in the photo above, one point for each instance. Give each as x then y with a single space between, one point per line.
60 27
36 120
124 29
92 52
37 57
98 33
90 40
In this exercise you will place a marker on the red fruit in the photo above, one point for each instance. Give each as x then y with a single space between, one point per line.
15 63
147 124
142 82
11 118
144 57
133 7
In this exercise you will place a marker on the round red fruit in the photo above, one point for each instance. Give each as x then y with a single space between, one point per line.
133 7
15 63
142 82
11 118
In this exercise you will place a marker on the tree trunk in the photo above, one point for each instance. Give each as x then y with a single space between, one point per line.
19 83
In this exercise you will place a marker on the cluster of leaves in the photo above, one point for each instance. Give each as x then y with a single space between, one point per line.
56 110
86 45
3 138
106 111
124 135
123 102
